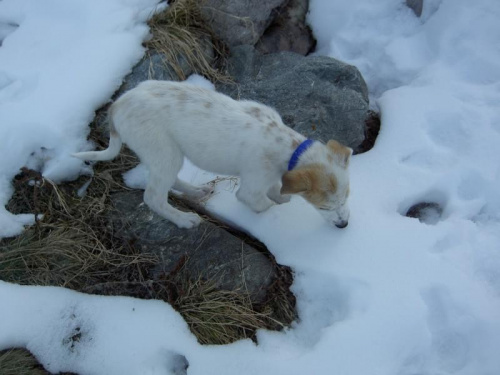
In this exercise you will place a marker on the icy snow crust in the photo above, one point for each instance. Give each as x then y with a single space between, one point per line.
388 294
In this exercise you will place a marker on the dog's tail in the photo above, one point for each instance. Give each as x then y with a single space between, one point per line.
115 145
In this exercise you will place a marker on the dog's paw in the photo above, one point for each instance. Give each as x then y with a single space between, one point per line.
262 205
256 201
188 220
280 199
202 192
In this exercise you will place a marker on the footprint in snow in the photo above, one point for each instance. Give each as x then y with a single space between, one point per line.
448 130
448 326
6 28
12 89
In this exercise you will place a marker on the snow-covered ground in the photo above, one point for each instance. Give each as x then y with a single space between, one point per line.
59 62
388 294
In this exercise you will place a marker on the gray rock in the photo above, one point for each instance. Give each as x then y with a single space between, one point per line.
289 31
318 96
426 212
416 6
238 22
211 252
154 65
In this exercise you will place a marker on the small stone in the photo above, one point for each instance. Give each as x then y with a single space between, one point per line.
426 212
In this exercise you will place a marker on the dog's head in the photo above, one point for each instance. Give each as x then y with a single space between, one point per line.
324 182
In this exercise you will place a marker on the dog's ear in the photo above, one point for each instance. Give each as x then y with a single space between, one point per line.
341 153
295 181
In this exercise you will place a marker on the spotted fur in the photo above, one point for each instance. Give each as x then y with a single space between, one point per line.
163 122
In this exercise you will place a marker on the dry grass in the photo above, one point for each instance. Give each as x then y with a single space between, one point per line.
20 362
219 316
73 245
179 32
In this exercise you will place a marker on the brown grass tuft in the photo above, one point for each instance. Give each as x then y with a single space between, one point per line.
179 32
73 245
219 316
20 362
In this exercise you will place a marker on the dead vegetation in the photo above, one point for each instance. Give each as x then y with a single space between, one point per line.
19 362
73 245
219 316
179 32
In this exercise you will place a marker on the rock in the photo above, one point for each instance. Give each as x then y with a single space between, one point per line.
154 65
238 22
416 6
426 212
318 96
209 251
289 31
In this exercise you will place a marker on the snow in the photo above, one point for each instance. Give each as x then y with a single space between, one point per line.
388 294
50 318
59 62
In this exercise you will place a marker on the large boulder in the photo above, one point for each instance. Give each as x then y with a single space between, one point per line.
208 251
320 97
238 22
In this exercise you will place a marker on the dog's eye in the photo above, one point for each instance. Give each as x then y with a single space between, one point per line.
323 209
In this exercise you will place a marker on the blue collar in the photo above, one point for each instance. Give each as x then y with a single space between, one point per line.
298 152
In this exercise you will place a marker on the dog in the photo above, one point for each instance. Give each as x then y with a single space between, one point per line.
163 122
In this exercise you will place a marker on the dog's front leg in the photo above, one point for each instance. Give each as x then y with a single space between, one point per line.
275 194
156 197
254 195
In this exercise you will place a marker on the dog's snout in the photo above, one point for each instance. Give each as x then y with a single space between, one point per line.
342 224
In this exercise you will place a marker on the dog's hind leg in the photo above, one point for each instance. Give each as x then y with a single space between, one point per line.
156 197
196 192
162 177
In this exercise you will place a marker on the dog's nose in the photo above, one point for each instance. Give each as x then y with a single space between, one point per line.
342 224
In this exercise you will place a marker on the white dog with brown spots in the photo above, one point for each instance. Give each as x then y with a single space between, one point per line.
163 122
